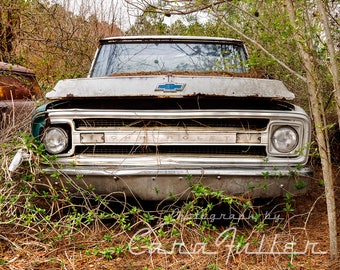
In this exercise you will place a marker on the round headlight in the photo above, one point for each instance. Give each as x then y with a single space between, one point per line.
285 139
55 140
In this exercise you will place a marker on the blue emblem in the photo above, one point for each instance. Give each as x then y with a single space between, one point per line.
170 87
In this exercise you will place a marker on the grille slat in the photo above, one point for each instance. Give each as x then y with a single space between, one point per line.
180 150
239 124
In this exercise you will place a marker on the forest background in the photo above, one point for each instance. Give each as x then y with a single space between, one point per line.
294 41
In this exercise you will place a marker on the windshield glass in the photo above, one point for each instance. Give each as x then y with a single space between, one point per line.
116 58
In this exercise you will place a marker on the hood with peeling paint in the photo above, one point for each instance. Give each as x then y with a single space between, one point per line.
169 86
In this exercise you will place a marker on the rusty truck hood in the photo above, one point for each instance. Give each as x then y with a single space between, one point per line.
17 82
169 86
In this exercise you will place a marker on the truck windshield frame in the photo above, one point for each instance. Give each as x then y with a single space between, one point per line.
120 58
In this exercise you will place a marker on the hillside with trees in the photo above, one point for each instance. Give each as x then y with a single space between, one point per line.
293 41
53 42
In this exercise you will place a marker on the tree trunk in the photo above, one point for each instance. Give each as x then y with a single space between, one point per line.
321 135
332 55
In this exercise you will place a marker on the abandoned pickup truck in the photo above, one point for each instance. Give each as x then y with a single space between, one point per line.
158 114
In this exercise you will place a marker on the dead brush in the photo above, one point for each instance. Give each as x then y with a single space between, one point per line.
48 227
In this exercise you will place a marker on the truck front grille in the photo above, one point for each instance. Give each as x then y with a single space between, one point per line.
216 136
152 127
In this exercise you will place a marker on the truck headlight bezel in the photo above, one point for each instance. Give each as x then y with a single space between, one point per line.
55 140
285 140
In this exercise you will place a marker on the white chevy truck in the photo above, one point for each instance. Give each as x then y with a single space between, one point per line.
158 114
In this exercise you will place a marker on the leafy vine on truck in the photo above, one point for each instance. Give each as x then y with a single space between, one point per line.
157 114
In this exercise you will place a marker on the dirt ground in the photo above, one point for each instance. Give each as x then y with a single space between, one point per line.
298 240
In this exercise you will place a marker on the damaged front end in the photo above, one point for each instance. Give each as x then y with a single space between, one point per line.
142 145
179 112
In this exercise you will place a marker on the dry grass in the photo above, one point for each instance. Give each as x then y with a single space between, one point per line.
52 230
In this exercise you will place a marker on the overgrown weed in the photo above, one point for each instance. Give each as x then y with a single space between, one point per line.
56 229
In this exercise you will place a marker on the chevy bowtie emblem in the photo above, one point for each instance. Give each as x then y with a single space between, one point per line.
170 87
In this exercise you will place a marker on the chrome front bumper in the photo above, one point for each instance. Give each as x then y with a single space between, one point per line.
160 184
155 183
